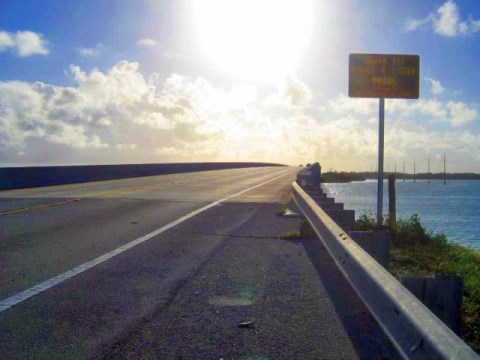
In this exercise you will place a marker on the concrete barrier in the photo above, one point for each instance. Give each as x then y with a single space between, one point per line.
25 177
375 243
344 218
310 176
332 206
323 200
309 180
317 193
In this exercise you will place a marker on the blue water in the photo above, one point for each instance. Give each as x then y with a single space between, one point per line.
452 209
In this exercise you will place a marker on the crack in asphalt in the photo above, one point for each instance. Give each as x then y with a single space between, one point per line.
233 236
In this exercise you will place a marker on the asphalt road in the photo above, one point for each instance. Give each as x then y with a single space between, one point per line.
169 267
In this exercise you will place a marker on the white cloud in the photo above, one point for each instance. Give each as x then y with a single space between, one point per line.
89 52
168 150
291 94
461 114
6 41
437 87
126 146
296 93
29 43
475 24
24 43
445 21
146 42
136 118
342 104
414 24
430 108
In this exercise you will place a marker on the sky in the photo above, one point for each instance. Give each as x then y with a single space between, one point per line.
108 82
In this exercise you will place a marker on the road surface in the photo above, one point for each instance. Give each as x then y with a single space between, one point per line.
184 266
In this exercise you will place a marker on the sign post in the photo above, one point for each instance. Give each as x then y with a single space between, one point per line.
381 127
383 76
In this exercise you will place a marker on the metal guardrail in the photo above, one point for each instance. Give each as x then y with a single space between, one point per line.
413 329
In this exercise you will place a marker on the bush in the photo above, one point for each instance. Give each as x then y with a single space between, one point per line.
365 222
413 235
416 250
306 230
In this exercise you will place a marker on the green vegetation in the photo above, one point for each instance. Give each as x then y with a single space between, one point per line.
305 231
416 250
290 235
341 177
281 211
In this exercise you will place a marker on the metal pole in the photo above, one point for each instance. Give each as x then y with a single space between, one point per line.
444 169
414 170
429 170
392 203
381 120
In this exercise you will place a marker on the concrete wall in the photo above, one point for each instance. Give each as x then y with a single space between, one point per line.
25 177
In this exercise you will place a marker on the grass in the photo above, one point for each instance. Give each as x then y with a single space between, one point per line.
306 230
417 250
281 211
291 235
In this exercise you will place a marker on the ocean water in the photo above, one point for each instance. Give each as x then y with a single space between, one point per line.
452 209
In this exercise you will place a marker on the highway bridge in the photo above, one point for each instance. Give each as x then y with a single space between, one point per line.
179 266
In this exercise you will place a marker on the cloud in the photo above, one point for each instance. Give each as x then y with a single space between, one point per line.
342 104
89 52
146 42
296 93
121 115
6 41
414 24
118 110
24 43
437 87
428 110
460 113
292 94
445 21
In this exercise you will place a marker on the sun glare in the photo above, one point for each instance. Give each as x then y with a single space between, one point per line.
261 39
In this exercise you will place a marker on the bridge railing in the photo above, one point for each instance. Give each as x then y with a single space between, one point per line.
412 328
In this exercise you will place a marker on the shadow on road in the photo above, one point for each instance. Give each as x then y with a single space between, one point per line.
366 335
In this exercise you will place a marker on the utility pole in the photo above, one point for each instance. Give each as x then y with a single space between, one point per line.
414 171
381 130
403 171
444 169
428 170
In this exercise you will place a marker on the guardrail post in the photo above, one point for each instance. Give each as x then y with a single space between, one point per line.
375 243
442 294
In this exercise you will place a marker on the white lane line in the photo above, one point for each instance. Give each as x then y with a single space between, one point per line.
47 284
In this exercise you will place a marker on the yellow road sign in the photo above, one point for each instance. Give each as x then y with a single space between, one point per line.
384 76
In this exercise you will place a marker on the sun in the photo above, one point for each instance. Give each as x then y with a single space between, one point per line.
261 39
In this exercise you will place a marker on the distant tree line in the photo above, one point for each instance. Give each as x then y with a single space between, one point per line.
342 176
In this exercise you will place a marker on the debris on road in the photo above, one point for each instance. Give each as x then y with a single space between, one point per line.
246 324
